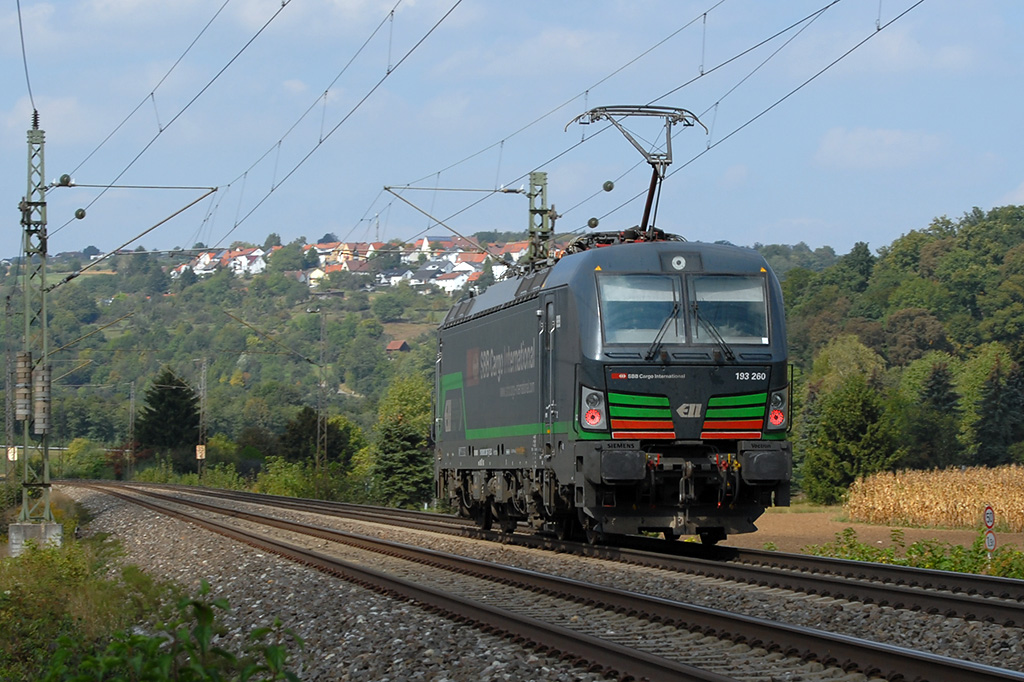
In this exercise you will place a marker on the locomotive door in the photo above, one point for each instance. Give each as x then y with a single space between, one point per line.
548 328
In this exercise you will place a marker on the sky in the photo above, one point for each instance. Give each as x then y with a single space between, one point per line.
828 123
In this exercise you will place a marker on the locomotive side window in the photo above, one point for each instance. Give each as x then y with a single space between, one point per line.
733 306
635 308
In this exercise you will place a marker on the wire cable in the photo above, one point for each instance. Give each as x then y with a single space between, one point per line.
777 102
805 20
284 4
155 88
24 59
344 119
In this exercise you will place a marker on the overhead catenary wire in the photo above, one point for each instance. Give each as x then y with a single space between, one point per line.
152 92
776 103
24 59
584 94
162 129
345 118
803 23
809 18
142 234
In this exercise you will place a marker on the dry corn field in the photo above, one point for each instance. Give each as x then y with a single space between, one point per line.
953 498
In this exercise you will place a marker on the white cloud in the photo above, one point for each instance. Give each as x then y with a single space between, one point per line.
62 118
875 149
734 176
1014 196
898 51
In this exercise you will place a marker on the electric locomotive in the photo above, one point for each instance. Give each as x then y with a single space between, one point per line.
637 383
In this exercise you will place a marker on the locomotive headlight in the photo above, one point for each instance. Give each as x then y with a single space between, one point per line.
592 411
777 412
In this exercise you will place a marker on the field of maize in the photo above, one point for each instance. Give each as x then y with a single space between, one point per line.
950 498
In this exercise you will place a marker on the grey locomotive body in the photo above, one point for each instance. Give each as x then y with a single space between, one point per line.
633 387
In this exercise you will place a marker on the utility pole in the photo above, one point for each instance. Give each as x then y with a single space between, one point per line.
131 432
201 447
320 460
10 448
32 393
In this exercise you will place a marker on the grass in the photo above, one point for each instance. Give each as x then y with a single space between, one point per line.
1006 562
74 612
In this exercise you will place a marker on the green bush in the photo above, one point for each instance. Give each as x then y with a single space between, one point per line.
281 477
60 591
181 649
64 617
1006 562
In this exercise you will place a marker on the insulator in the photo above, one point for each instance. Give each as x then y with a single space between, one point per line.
41 386
23 386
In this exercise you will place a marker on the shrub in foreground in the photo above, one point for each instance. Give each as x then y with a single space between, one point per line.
1006 562
181 649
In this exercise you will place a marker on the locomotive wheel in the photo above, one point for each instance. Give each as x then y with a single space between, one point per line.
592 535
483 518
565 529
710 538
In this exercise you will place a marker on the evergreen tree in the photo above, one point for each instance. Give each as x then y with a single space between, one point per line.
1000 419
929 424
298 442
854 437
170 416
403 471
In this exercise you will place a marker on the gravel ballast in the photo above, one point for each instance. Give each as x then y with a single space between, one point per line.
350 633
353 633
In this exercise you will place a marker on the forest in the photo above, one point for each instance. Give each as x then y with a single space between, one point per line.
907 356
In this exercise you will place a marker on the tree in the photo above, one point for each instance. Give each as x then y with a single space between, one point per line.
298 442
388 307
287 258
853 437
1000 418
843 357
929 420
912 332
170 417
403 471
83 459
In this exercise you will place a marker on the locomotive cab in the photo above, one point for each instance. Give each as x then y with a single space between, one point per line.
639 387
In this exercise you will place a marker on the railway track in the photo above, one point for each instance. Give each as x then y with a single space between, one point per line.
728 645
955 595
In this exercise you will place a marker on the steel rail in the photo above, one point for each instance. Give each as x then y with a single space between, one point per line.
828 648
961 595
532 632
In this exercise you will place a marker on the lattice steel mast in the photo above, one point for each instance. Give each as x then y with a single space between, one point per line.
33 371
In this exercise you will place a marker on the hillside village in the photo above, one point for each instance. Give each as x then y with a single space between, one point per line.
445 263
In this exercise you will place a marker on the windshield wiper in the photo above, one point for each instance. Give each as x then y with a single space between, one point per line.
713 332
656 344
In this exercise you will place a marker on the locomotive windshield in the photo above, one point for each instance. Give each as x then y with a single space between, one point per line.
734 306
635 308
647 308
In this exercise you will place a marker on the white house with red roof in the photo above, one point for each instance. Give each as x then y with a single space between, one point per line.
451 282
